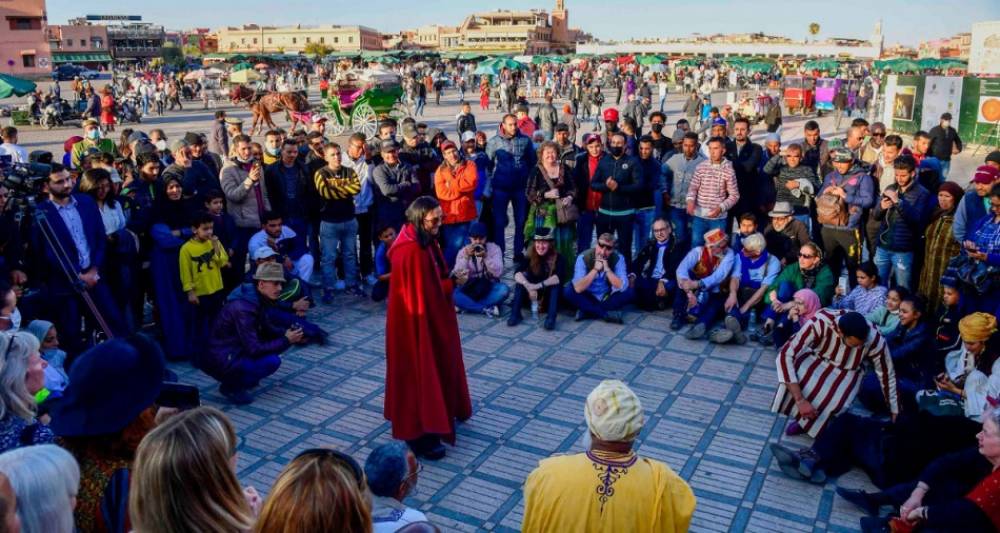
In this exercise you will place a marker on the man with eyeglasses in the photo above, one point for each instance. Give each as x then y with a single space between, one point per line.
391 471
700 277
872 149
600 283
656 261
244 347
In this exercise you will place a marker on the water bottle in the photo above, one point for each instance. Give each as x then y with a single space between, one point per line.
753 318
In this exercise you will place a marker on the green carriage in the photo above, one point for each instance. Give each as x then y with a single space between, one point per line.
360 99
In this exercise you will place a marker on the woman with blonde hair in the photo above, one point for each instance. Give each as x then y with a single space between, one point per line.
320 490
184 477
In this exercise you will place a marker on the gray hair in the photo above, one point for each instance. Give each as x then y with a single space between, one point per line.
15 350
386 467
45 479
754 242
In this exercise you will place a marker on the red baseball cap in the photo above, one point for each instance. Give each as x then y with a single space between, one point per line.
448 145
986 175
611 115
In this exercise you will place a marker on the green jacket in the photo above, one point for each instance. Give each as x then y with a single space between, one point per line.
792 274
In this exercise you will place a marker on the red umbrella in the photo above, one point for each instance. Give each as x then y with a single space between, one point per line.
259 66
625 59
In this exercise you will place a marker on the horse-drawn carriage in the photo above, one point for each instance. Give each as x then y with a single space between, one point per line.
360 98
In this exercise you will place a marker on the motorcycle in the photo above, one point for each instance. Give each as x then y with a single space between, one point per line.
130 109
57 113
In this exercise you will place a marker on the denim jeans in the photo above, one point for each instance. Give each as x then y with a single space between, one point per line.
585 230
681 222
501 198
247 372
701 226
591 307
945 169
498 293
454 236
888 261
421 102
643 227
339 238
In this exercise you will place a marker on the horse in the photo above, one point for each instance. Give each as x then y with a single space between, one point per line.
272 102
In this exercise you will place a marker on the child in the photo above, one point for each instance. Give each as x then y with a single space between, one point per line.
946 336
224 228
201 260
886 317
386 234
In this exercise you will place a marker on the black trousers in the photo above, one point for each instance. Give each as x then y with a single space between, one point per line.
842 248
548 296
366 243
624 227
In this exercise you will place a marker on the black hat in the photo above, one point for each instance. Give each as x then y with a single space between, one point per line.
193 138
477 229
543 233
993 157
109 385
854 324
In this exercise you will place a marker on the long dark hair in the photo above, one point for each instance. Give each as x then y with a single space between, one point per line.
536 262
415 215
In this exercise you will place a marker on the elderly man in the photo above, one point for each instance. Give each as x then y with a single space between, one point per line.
820 369
608 487
600 283
871 151
785 234
754 270
392 471
652 268
700 277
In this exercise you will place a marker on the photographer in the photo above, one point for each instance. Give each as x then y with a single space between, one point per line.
478 268
11 243
76 247
247 199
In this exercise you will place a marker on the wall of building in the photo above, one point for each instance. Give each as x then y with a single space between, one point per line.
79 38
723 49
295 39
984 50
24 45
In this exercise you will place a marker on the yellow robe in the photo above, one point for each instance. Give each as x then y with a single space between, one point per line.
601 492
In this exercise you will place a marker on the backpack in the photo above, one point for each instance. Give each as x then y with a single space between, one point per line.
831 210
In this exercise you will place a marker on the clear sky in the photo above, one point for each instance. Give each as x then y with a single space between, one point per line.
903 21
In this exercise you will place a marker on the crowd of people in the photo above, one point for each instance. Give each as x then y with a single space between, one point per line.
851 256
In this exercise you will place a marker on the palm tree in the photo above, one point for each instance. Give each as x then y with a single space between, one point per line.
814 29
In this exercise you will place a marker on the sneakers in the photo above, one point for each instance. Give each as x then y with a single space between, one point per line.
237 397
327 297
733 325
788 460
550 323
695 332
721 336
614 317
492 312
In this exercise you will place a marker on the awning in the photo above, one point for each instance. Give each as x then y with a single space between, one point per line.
81 57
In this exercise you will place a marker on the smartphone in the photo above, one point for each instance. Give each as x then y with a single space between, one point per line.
179 396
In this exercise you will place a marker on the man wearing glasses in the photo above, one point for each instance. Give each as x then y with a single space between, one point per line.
653 268
600 285
392 471
872 149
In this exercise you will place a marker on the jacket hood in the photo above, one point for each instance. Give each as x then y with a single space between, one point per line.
246 292
407 236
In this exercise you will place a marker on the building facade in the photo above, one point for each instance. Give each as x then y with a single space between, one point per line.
984 54
129 38
80 44
292 39
24 43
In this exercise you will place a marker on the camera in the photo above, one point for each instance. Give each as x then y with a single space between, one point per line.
25 178
478 250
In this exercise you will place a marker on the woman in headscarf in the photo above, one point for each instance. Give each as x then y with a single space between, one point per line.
170 230
940 245
805 303
983 246
973 371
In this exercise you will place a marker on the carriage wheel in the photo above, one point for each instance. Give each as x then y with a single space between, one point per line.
399 111
333 125
364 120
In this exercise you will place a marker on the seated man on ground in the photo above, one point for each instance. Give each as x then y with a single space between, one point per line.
391 471
291 247
786 234
653 268
599 288
244 348
701 276
478 268
538 280
609 487
754 272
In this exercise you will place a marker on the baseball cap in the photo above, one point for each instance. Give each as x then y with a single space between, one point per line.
316 119
611 115
986 175
468 136
841 155
235 121
263 253
387 145
89 122
448 145
993 157
409 132
137 136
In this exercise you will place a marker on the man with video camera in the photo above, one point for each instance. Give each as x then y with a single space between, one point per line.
477 272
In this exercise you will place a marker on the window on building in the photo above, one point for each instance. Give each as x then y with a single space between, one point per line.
322 40
23 23
243 40
28 60
268 40
336 40
83 42
97 44
350 39
294 40
254 40
308 40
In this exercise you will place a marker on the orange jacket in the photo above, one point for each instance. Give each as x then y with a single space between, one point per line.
455 190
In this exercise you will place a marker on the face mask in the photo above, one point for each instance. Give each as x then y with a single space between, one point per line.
657 127
94 134
244 161
616 151
161 145
273 151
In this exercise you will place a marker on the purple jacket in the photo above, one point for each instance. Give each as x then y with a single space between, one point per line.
240 332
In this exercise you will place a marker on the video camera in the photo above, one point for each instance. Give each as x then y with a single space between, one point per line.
23 178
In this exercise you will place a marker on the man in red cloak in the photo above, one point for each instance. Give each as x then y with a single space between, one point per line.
425 387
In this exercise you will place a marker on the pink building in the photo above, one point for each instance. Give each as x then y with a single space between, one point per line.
24 47
81 44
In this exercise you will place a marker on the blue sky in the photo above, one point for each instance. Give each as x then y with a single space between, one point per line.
904 21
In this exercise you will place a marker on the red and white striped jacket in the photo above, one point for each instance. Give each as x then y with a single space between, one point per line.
713 185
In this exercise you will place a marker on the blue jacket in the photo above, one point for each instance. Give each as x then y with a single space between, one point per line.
903 224
627 171
970 210
512 159
860 191
93 228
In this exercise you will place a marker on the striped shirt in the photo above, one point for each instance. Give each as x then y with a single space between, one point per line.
712 186
828 371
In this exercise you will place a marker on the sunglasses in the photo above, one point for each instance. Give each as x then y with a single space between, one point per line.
807 256
339 457
878 134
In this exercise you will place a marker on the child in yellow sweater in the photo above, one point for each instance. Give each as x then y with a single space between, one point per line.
201 261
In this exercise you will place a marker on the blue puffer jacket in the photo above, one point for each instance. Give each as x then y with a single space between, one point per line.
903 224
512 159
241 331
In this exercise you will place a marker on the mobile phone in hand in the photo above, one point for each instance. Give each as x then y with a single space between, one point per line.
179 396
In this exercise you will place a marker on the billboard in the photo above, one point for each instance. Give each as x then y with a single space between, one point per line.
984 51
902 104
115 17
942 94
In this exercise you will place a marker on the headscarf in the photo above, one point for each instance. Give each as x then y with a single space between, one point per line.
175 214
977 327
955 191
39 328
613 412
810 304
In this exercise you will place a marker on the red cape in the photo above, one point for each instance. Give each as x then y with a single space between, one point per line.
425 387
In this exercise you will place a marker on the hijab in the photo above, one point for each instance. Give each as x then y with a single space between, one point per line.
810 304
176 214
955 191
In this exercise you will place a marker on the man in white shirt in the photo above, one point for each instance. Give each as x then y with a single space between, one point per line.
288 244
392 472
10 147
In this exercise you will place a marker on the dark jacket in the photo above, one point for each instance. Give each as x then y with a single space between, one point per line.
652 183
425 162
910 354
903 224
395 187
546 118
197 179
645 262
511 158
782 173
305 198
942 141
625 170
785 244
218 141
241 332
465 123
746 162
93 229
859 187
817 157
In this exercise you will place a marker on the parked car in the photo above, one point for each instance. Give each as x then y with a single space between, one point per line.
68 72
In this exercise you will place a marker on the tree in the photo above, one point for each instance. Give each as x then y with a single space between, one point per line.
172 55
192 50
317 49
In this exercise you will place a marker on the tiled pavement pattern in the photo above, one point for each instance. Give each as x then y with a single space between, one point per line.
707 410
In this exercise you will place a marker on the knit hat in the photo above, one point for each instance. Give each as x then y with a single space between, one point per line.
477 229
854 324
993 157
986 174
613 412
950 278
841 155
719 121
977 327
953 189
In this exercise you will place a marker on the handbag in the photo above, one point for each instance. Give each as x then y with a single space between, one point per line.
975 275
564 213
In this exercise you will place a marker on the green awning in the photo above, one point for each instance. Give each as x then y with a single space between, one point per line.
81 57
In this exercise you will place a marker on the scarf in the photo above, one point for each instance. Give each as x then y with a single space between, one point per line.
809 276
176 214
706 264
747 265
810 304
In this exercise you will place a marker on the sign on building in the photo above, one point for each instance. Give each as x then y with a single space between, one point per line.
115 17
984 52
942 94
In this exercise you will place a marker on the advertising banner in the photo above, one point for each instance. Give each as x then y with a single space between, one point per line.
942 94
